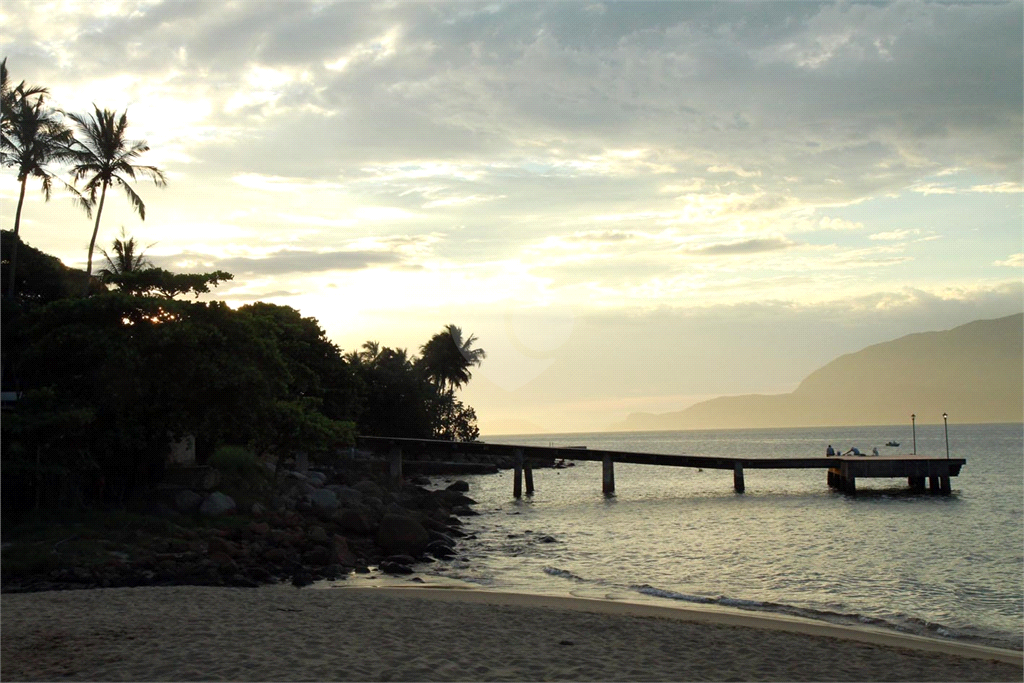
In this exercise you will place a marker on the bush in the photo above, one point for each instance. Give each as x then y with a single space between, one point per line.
236 461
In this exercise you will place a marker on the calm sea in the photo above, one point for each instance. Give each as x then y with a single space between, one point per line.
930 565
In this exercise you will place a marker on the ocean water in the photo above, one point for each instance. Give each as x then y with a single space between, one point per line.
948 567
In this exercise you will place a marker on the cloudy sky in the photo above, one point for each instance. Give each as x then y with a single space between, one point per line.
634 206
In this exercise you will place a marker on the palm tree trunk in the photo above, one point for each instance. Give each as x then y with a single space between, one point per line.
17 228
92 242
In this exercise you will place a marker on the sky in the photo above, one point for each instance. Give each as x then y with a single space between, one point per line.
634 206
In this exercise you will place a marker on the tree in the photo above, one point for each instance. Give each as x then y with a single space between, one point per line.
447 357
104 156
34 136
127 257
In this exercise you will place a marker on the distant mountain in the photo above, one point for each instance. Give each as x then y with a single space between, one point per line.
974 372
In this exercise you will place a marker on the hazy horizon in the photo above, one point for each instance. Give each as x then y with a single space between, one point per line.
634 206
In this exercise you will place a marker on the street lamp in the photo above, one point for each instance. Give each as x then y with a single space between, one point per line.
913 427
946 426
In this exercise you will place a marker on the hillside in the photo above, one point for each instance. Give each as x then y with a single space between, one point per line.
974 372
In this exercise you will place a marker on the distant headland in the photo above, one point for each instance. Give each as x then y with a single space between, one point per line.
974 372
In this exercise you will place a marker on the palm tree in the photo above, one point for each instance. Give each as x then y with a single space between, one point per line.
9 98
104 157
127 258
447 358
34 136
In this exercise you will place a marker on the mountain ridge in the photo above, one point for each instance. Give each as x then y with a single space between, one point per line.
973 372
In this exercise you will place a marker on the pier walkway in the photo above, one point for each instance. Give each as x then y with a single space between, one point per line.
842 471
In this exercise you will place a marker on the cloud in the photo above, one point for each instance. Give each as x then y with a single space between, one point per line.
1014 261
894 235
741 247
283 262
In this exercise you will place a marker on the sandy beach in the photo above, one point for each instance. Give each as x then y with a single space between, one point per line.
374 634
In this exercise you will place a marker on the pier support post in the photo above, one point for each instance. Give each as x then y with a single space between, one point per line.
933 484
850 485
395 466
737 478
944 487
607 475
916 483
517 482
528 474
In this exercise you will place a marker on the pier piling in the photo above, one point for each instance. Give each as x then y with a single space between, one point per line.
517 482
528 474
607 474
737 478
395 466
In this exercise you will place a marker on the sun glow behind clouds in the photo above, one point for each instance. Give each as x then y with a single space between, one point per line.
385 163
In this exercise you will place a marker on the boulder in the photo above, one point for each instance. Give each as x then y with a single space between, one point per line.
370 489
187 500
324 500
389 567
316 478
320 556
458 485
216 504
318 534
401 534
347 496
440 550
355 521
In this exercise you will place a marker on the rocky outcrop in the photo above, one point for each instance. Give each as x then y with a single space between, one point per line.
312 531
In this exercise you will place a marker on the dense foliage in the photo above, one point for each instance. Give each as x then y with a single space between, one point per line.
109 371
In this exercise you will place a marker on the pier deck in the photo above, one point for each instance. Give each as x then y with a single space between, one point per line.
843 470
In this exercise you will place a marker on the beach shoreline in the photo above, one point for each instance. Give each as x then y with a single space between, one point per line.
432 633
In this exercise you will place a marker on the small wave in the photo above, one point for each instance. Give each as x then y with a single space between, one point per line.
671 595
563 573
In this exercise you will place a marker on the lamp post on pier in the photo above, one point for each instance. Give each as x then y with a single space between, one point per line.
945 424
913 429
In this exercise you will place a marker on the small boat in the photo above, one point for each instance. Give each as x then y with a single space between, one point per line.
893 443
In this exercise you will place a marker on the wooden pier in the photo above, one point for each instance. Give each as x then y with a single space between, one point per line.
842 471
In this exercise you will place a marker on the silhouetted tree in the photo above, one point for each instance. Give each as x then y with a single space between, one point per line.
447 357
127 256
104 157
34 136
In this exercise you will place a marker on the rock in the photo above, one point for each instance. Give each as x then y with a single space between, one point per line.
275 555
347 496
401 534
258 510
317 534
324 500
216 544
420 480
441 538
224 562
216 504
453 499
369 489
259 528
342 554
440 550
464 511
301 578
407 560
187 500
395 568
458 485
355 521
547 539
316 478
319 556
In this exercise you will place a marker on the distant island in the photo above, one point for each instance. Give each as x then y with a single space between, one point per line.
974 372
